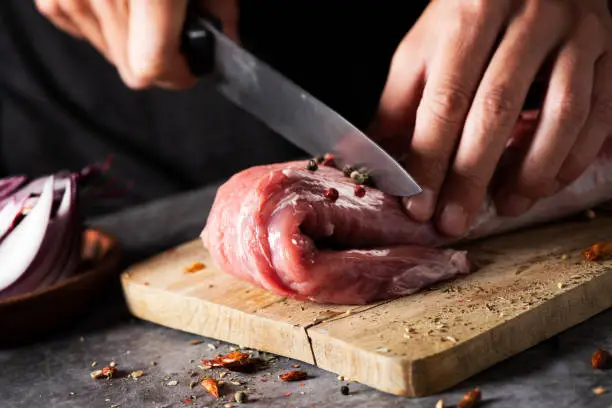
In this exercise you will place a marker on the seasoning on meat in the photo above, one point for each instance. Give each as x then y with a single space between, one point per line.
360 191
272 226
312 165
331 194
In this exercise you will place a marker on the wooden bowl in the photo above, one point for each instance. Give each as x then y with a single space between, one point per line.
26 316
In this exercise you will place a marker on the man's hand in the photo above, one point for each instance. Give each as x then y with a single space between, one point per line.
140 37
457 85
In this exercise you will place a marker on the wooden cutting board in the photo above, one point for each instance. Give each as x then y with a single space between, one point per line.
532 285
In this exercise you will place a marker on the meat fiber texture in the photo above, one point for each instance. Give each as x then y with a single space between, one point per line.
273 226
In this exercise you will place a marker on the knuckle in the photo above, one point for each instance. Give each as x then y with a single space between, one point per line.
449 104
571 110
49 8
471 177
500 102
602 111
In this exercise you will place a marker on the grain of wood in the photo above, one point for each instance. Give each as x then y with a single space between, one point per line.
416 345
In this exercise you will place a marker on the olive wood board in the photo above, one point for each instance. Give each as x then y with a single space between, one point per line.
530 285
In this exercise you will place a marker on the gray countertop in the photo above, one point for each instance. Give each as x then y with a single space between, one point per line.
556 373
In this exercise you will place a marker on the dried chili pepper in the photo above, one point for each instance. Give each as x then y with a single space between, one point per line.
106 372
235 361
597 251
332 194
360 191
194 267
211 385
471 399
293 375
600 358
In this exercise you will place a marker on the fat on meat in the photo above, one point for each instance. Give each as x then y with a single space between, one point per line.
273 226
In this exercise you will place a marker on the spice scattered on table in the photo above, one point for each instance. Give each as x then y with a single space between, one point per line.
112 364
597 251
106 372
293 375
211 385
599 390
211 346
172 383
194 267
153 363
93 364
287 394
223 374
295 366
194 342
471 399
340 378
600 359
344 390
440 403
136 374
383 350
235 361
241 397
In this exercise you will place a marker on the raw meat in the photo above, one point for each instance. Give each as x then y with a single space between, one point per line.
273 226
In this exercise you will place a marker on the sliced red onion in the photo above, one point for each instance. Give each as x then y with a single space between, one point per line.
21 246
9 214
41 229
57 252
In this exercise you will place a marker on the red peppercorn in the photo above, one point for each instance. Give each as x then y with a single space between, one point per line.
360 191
328 160
331 194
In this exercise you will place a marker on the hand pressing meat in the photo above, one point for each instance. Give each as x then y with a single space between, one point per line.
278 227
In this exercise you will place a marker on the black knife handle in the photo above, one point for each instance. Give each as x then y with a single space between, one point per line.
197 42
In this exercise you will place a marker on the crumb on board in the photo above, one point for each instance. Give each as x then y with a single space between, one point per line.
194 267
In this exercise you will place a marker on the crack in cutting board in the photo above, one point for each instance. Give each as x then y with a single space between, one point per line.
532 286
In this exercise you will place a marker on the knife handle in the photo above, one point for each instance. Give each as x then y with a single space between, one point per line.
197 42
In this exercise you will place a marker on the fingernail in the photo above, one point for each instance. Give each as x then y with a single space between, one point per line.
517 204
421 207
453 220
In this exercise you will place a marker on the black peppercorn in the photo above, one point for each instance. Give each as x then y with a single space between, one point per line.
312 165
319 159
347 170
344 390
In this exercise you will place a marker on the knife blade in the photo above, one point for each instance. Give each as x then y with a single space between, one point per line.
286 108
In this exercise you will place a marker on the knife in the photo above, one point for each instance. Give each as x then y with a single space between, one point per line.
286 108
